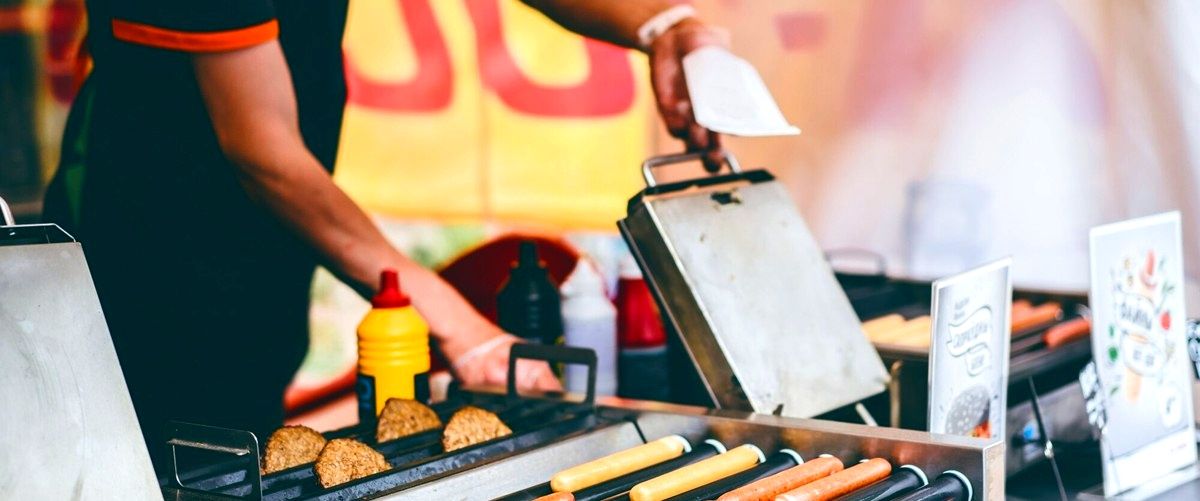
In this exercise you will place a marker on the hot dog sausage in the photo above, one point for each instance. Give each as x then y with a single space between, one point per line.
915 333
843 482
620 463
1041 314
695 475
903 480
774 485
874 327
918 326
557 496
622 484
1066 332
775 463
1021 307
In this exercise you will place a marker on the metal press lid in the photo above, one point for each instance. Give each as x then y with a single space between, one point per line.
756 304
67 425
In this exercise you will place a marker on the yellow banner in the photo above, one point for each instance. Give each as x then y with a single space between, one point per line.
484 110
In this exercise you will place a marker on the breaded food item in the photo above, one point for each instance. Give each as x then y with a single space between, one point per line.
291 446
402 417
346 459
470 426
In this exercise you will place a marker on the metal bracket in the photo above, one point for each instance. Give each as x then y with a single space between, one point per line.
553 354
211 438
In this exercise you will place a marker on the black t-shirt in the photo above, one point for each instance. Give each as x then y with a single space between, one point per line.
205 291
156 195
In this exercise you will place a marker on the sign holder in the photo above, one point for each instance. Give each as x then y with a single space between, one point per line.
1147 433
969 350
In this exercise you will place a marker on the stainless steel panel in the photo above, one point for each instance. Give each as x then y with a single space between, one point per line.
67 426
525 470
748 289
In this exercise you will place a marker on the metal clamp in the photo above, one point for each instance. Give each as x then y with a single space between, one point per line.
554 354
7 214
211 438
659 161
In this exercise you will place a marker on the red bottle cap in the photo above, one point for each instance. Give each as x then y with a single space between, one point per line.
389 295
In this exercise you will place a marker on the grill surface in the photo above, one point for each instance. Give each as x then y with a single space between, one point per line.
415 458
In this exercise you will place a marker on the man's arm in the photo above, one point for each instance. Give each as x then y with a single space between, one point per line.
617 22
612 21
250 99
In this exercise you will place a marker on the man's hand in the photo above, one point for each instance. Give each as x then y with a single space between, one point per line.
670 87
487 364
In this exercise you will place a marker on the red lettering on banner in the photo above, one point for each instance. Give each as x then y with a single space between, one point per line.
607 90
433 85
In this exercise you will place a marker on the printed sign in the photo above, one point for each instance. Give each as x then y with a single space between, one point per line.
968 356
1140 350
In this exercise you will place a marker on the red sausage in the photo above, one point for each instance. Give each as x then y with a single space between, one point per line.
843 482
1067 332
766 489
1042 314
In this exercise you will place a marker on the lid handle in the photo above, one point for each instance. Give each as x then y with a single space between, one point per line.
552 354
676 158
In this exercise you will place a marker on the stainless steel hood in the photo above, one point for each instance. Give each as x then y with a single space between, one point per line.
741 279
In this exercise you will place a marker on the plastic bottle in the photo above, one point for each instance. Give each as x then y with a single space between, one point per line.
642 366
590 321
393 350
527 305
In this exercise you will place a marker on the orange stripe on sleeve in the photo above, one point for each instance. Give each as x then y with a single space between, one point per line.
194 41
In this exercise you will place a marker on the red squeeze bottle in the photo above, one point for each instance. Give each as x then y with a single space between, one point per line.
642 363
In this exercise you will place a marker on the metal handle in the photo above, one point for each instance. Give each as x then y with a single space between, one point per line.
677 158
211 438
880 261
6 213
558 354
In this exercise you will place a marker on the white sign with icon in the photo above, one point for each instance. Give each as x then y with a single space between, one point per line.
1140 350
968 354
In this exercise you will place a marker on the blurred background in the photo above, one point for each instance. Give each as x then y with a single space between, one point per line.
936 134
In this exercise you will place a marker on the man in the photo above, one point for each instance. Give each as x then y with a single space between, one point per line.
196 171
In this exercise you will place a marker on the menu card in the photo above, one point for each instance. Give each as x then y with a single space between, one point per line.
1140 350
968 354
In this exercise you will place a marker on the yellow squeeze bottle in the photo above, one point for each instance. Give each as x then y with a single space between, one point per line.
393 350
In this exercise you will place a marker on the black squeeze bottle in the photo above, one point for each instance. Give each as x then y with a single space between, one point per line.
527 305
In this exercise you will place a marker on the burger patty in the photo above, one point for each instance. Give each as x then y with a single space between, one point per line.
291 446
402 417
345 459
470 426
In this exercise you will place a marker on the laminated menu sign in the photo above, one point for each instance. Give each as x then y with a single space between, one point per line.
968 353
1140 349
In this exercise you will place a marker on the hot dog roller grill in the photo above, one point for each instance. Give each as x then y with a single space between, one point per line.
77 435
551 434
